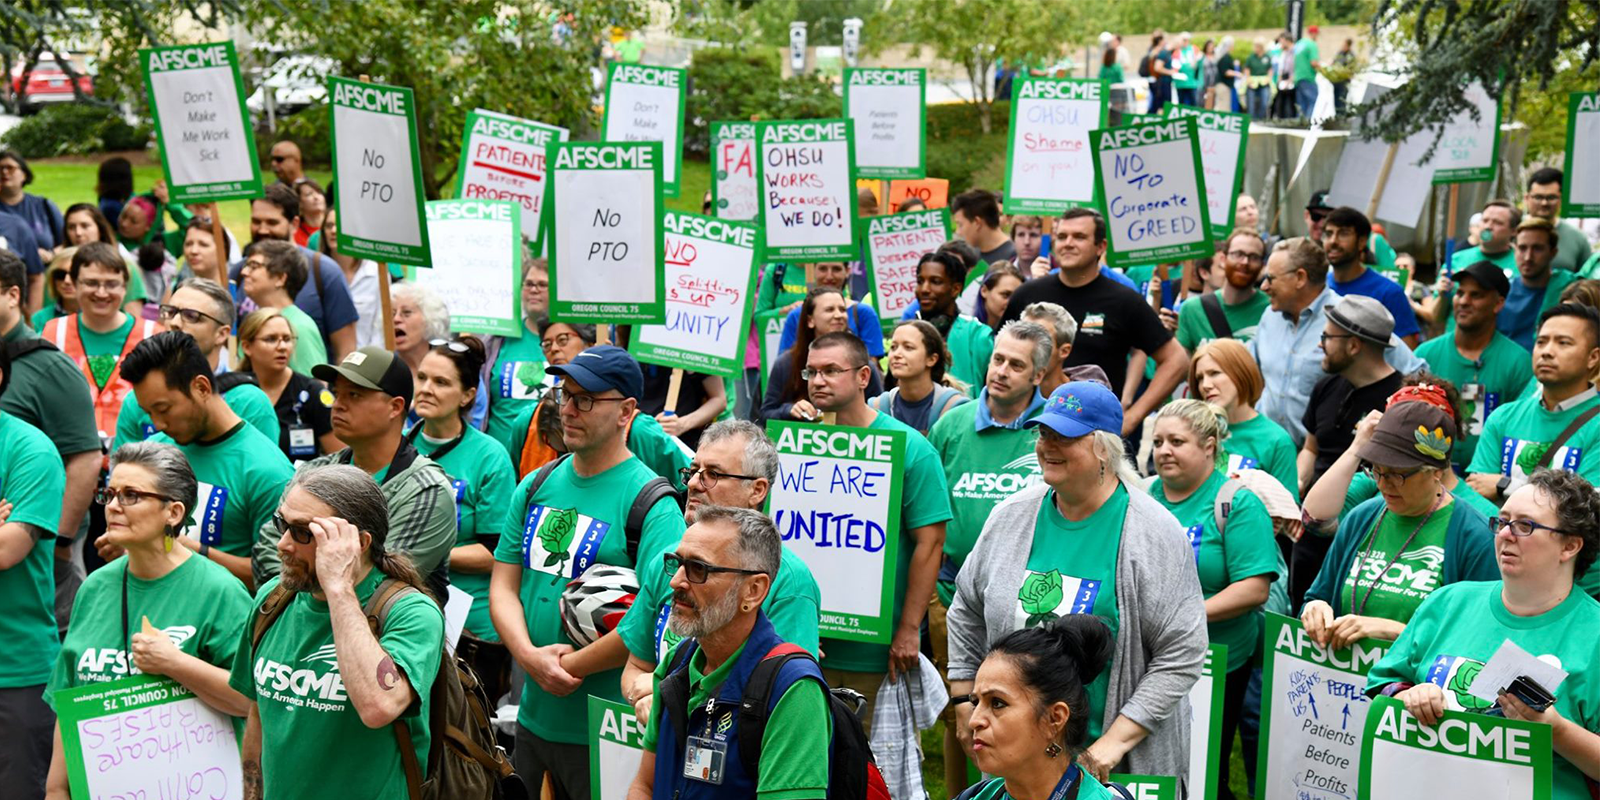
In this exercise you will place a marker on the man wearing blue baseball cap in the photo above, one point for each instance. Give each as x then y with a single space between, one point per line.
599 504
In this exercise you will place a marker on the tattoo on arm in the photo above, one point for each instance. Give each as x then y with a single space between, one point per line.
252 779
388 674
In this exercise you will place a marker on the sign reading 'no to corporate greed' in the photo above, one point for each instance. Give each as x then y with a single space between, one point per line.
1581 189
477 264
895 244
1154 193
645 104
711 287
502 158
887 106
1465 755
733 161
837 505
207 149
378 171
1223 137
184 748
606 249
808 196
1049 164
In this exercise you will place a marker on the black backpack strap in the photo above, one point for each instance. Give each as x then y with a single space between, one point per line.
543 475
656 490
228 381
756 704
1212 305
1568 432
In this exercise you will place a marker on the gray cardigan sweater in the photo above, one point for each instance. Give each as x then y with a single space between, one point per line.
1161 644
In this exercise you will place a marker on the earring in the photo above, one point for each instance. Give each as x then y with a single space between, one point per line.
171 536
1102 471
1052 750
745 607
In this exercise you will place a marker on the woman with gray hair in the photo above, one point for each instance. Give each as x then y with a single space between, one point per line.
160 610
419 318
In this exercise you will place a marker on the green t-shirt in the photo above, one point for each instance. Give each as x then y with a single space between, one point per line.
794 747
1462 259
199 605
482 479
971 343
1246 549
247 400
1572 248
517 383
1364 488
1260 443
1111 73
1091 789
1518 433
313 729
1072 569
1497 377
242 476
572 523
1390 578
1305 52
924 500
1436 647
32 480
47 391
309 350
44 315
104 349
1194 327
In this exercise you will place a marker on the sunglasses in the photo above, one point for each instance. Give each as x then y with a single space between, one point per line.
698 571
300 533
454 345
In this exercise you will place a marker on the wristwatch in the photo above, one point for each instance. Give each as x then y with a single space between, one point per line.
1501 487
205 550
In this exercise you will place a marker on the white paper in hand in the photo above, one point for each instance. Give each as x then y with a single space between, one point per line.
1509 662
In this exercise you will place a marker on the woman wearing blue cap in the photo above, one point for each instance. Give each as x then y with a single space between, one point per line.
1091 542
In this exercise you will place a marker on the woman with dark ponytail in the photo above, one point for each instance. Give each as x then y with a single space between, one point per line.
1030 711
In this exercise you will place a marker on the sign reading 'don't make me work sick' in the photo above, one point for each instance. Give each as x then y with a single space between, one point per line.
144 736
1155 206
808 196
1223 137
1465 755
1581 189
645 104
378 170
895 244
711 286
477 264
837 505
616 745
887 107
605 214
208 151
1049 162
502 158
733 163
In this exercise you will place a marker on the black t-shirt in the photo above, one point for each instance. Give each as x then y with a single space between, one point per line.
303 404
1334 409
1007 252
1112 321
691 395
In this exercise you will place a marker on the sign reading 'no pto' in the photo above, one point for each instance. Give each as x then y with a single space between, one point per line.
378 169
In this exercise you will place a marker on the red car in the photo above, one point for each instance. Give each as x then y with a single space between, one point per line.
47 83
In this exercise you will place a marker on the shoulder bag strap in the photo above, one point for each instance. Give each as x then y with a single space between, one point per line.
1210 303
1567 433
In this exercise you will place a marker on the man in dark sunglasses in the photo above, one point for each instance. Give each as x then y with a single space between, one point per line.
287 163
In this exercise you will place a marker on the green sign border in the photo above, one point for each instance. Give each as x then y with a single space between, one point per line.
509 328
863 224
1148 787
1175 111
1217 664
718 129
415 255
86 702
826 252
872 630
920 171
653 313
1169 254
205 192
1569 208
730 368
1011 203
1543 769
598 706
775 315
674 185
536 236
1479 174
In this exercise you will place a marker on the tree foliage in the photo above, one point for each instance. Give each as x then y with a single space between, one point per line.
728 83
747 22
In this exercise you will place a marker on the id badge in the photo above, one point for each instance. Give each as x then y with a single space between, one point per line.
703 760
302 442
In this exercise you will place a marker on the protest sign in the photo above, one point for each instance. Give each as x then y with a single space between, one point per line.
890 124
605 231
733 158
1581 189
144 736
378 171
769 332
1223 137
895 244
711 288
1049 164
808 198
616 744
645 104
1148 787
502 158
208 151
1206 770
837 505
1150 176
1312 713
933 192
477 264
1469 149
1465 755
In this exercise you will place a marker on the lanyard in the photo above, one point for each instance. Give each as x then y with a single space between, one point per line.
444 449
1367 551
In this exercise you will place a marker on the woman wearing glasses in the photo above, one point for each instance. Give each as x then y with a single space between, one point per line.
824 311
1392 552
302 403
160 610
1545 540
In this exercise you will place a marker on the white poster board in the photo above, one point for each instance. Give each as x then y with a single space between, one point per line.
146 737
711 281
1581 189
808 197
208 151
477 264
616 746
733 161
378 169
1223 137
1205 725
1151 178
1467 151
605 216
1049 165
645 103
503 158
895 244
1467 755
887 106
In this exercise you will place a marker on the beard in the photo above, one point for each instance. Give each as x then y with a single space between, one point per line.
297 575
706 620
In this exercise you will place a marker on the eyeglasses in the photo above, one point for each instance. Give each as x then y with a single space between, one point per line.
557 342
97 286
1396 479
698 571
1270 276
274 341
253 264
1545 198
1326 336
125 497
1521 527
1248 258
300 533
537 286
454 345
584 402
709 476
826 372
190 315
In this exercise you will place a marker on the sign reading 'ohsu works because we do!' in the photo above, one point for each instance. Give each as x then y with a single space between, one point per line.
207 150
503 158
808 196
605 233
378 170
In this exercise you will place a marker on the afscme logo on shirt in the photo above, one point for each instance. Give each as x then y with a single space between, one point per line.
304 687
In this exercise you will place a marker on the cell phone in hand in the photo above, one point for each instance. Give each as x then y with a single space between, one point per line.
1530 693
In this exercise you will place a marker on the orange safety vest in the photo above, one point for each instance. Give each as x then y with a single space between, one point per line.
63 332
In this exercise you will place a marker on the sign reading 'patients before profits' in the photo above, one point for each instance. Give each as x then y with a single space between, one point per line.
605 219
502 158
1465 755
645 104
208 151
616 745
1223 137
1205 726
837 505
733 160
378 170
182 747
808 196
477 264
711 286
890 124
1154 193
1581 189
895 244
1049 164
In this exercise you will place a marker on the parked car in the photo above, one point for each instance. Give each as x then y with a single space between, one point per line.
295 82
48 83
